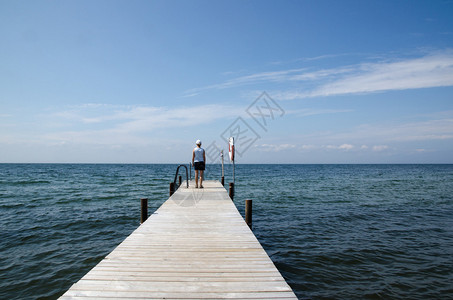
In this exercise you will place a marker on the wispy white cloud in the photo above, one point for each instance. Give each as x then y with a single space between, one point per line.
99 124
308 147
146 118
274 76
149 118
291 75
385 137
428 130
274 147
305 112
320 57
315 58
434 69
345 147
380 148
321 74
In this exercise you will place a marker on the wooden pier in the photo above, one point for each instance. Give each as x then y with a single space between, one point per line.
195 246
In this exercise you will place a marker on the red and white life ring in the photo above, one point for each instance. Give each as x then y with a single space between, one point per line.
231 149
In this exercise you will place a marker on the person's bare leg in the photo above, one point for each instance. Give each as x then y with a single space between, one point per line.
196 178
201 179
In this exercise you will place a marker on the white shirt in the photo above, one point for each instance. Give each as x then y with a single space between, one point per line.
198 154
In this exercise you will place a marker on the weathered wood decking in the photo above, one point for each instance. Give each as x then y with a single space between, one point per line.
195 246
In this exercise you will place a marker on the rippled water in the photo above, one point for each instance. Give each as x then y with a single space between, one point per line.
334 231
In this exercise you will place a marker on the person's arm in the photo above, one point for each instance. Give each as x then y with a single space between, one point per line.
193 156
204 156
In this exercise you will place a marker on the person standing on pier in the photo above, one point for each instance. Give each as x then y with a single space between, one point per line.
199 162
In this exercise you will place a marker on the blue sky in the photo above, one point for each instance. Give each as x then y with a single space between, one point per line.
293 81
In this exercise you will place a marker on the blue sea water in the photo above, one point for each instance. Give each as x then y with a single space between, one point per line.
333 231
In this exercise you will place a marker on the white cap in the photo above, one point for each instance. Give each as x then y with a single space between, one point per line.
198 142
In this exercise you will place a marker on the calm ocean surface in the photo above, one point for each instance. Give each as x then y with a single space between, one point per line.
333 231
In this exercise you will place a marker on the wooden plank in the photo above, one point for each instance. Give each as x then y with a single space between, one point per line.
131 276
173 295
180 287
195 246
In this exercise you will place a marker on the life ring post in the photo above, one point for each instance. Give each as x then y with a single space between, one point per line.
231 190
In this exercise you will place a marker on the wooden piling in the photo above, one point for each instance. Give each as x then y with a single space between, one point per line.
144 210
248 212
172 188
231 191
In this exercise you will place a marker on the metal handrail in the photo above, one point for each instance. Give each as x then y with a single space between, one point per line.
187 175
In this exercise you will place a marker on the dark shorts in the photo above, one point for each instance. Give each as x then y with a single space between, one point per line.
199 165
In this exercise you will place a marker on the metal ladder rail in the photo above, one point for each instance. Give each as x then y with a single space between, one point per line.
176 176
